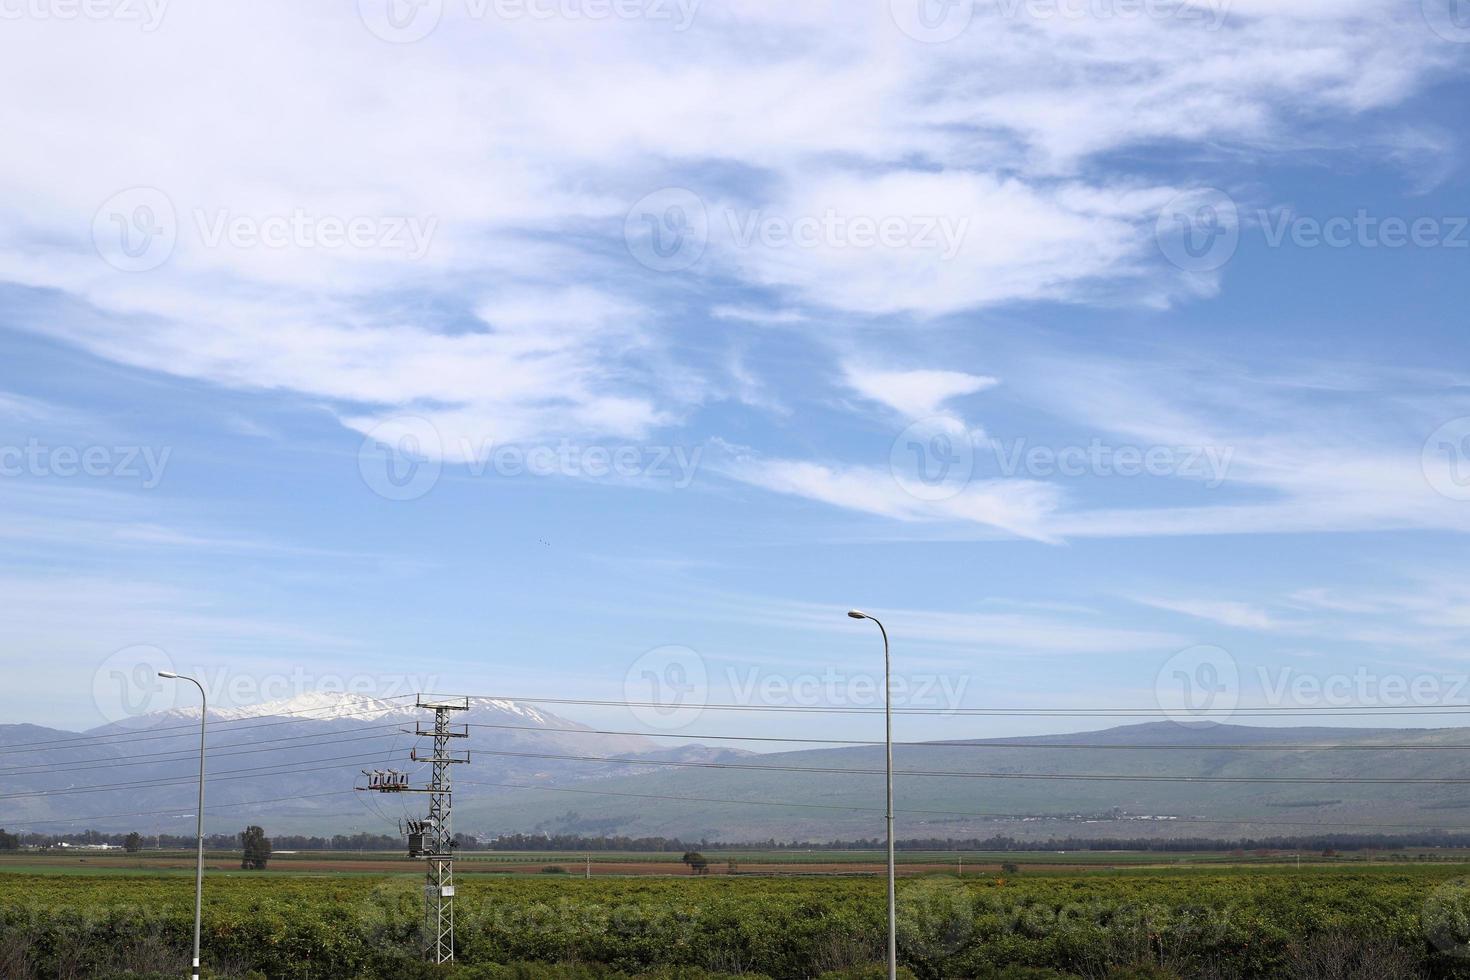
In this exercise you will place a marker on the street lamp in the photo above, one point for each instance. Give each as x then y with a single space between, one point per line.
199 860
888 745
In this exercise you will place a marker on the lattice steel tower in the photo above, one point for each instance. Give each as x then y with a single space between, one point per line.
433 837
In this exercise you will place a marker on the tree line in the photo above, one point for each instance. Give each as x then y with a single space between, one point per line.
134 841
1317 842
255 846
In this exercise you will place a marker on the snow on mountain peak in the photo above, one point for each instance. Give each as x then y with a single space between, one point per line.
336 705
308 706
324 706
514 708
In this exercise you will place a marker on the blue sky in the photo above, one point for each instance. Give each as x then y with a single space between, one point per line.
790 309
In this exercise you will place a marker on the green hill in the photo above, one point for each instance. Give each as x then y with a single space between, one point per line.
1189 789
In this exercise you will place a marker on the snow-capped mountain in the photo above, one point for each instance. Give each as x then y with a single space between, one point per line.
294 762
334 706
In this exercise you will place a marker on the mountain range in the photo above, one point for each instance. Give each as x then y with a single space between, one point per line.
293 766
294 763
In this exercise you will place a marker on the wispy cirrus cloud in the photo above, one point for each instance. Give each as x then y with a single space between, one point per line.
986 135
1009 507
1027 631
1225 612
1320 451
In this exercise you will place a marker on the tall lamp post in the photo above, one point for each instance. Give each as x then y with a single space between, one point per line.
199 859
888 745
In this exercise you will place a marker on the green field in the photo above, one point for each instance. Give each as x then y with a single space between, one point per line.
1353 920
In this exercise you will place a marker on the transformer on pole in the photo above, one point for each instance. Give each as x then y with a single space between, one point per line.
433 837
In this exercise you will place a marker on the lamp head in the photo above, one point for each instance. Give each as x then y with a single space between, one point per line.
857 614
169 674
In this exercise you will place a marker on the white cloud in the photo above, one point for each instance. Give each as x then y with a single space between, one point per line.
1053 632
1018 507
1054 82
751 314
1332 601
1295 464
522 143
20 408
1251 454
913 394
1225 612
934 243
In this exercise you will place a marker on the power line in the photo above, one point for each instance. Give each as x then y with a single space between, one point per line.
383 731
329 738
717 800
183 755
262 771
247 773
1258 747
149 734
987 775
213 747
129 737
951 813
175 810
235 725
1105 712
334 738
682 799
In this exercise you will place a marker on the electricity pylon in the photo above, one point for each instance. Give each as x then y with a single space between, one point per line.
433 837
